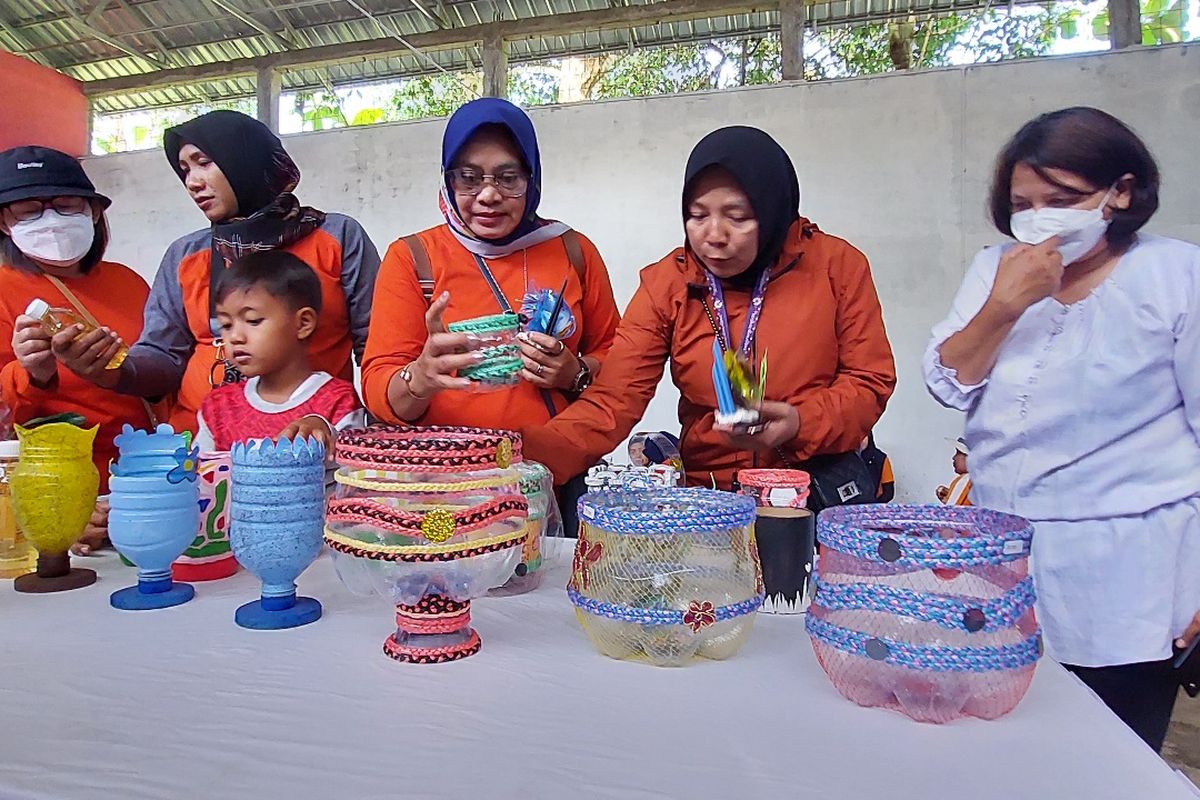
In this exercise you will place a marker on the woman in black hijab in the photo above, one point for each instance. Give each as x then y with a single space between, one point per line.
238 174
756 277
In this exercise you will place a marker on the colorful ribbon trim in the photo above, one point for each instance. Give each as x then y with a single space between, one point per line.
919 657
911 535
660 616
432 449
666 511
449 551
953 613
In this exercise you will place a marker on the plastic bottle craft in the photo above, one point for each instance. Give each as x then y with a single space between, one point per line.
54 490
277 514
430 518
785 533
17 556
209 556
666 574
926 610
152 513
537 487
501 352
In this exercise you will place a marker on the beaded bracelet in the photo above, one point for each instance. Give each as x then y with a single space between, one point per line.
501 354
666 511
432 449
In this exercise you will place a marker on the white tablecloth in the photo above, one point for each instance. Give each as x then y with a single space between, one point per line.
178 704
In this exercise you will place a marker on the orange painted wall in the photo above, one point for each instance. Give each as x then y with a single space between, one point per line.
41 106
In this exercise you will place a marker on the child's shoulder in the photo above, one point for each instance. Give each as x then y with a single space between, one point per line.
338 386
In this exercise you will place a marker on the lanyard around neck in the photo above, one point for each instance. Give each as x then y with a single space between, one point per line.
721 322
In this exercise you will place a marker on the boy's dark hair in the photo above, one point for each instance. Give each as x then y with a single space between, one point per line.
1094 145
278 273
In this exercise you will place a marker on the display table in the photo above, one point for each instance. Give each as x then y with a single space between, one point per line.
181 703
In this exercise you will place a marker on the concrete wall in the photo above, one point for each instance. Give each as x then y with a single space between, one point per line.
898 165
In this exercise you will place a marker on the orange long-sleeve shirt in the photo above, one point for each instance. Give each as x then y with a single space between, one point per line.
828 356
115 295
398 329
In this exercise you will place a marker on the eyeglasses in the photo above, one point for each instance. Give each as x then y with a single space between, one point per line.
28 210
470 181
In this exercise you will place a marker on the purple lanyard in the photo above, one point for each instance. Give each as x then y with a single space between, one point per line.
752 318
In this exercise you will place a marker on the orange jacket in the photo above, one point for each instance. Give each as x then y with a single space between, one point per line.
821 328
398 330
113 294
176 352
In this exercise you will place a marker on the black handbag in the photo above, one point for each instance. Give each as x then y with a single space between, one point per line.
839 479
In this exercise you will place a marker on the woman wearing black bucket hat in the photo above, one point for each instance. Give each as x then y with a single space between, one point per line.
239 175
53 235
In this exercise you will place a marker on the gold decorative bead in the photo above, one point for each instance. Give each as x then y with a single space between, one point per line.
504 453
438 525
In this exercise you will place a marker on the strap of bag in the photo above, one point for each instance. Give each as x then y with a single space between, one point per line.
574 249
87 315
421 266
424 269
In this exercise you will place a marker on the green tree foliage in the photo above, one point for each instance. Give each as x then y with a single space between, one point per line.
1163 22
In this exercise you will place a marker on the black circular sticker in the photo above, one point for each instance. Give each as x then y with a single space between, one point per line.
889 550
877 650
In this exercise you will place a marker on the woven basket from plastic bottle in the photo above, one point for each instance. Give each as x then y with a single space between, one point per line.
666 575
430 518
926 610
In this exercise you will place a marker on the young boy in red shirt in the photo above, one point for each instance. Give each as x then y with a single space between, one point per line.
268 305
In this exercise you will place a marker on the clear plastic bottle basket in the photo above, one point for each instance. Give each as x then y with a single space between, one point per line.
666 575
926 610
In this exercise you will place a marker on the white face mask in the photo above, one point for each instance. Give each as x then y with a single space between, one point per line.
1079 230
57 239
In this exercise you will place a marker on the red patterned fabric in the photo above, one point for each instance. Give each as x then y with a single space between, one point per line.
229 416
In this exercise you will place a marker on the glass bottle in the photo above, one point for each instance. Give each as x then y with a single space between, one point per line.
55 320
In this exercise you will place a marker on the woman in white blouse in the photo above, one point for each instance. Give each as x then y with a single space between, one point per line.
1076 355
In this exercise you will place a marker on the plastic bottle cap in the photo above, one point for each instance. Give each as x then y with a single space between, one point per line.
10 448
37 308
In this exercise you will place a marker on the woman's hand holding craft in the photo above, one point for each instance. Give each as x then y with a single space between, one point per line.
549 363
778 424
88 355
1027 275
444 354
31 346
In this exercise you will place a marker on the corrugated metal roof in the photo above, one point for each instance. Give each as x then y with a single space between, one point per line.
122 38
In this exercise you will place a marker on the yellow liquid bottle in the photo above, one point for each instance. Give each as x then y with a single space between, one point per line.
17 556
59 319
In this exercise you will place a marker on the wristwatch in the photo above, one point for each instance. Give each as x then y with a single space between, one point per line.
583 378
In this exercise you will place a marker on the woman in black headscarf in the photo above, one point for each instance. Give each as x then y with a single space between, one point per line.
238 174
757 277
